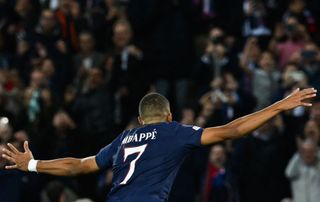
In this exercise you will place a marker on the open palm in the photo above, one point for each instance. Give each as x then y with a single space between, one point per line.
19 159
298 98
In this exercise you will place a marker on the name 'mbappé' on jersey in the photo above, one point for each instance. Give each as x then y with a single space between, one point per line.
145 160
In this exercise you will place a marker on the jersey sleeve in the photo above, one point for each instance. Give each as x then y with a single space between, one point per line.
105 156
189 135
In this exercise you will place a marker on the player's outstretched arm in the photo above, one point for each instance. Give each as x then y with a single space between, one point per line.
62 167
246 124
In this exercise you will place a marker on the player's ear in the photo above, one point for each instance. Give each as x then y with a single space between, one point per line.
169 117
140 120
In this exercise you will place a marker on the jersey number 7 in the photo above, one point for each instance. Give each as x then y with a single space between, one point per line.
129 151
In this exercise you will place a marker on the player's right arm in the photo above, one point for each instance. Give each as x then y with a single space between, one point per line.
60 167
246 124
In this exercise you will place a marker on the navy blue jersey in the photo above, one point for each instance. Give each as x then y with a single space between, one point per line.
145 160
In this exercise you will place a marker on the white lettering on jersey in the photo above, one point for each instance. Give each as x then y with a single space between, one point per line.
124 140
140 137
135 138
148 135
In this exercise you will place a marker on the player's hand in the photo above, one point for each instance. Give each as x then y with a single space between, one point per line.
19 159
298 98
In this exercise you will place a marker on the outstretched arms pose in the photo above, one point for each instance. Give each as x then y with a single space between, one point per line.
73 166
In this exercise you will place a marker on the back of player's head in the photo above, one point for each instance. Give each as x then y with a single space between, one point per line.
153 106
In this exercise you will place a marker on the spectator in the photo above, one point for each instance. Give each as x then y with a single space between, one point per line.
188 116
102 19
315 113
63 139
295 35
265 80
22 60
38 110
53 76
225 102
55 191
27 14
297 9
69 16
47 35
49 42
255 23
310 62
163 30
257 164
94 102
249 59
128 72
87 58
303 172
215 61
293 77
216 187
312 131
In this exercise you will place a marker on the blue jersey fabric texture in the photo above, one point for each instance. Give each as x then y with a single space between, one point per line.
145 160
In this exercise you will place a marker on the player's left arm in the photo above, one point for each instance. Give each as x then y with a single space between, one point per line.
246 124
59 167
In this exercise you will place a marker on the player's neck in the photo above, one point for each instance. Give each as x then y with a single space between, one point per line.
155 121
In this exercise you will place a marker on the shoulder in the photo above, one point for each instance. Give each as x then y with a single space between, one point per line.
175 126
166 127
184 128
193 127
189 135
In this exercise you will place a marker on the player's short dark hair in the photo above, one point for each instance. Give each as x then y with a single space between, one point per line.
153 105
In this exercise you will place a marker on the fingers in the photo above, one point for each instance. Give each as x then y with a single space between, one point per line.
9 158
308 96
309 91
305 104
11 167
13 149
26 146
9 153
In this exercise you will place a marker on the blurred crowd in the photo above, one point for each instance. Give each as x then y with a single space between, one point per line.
72 73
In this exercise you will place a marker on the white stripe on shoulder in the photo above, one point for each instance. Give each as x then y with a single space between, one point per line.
195 127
